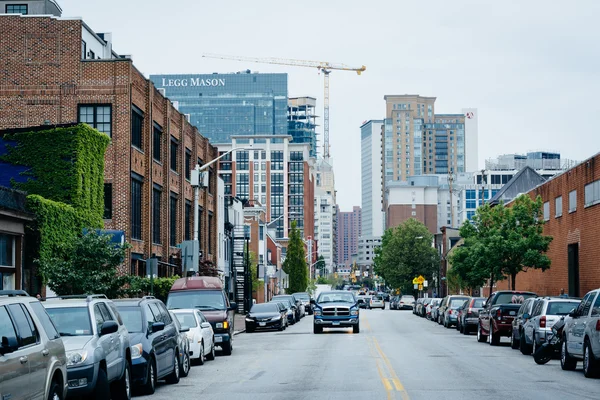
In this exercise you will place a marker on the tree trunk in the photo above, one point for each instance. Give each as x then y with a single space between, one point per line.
491 284
514 281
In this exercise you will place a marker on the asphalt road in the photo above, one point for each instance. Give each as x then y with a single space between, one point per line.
397 355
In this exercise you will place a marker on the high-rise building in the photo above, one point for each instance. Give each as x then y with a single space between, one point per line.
371 178
302 122
348 232
275 173
222 105
325 213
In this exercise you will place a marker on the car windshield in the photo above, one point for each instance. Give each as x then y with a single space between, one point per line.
478 303
513 298
132 318
186 319
71 321
409 298
264 308
561 307
302 296
332 297
205 300
377 298
457 302
281 298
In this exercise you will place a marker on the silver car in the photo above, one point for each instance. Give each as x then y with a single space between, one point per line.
546 312
97 345
582 336
29 339
406 301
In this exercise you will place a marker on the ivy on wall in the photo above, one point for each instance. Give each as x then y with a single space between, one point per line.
64 164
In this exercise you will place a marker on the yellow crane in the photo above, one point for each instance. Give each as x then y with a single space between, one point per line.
321 66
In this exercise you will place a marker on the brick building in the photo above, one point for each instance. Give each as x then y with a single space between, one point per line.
349 226
57 70
572 214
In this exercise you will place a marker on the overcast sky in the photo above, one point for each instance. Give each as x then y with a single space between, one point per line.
532 68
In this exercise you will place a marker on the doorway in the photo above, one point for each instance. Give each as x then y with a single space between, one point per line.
573 255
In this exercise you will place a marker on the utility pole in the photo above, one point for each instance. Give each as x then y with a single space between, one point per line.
450 180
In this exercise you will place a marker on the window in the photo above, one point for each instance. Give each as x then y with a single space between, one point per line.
558 207
156 141
156 194
173 220
174 147
572 201
596 307
188 219
188 164
16 9
547 211
83 49
242 160
40 312
6 250
136 207
137 122
107 200
28 335
210 229
592 194
97 116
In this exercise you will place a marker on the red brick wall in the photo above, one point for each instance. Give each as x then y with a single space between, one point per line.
44 79
397 214
579 227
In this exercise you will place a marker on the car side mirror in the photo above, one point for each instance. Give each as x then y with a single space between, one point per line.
484 304
8 345
184 329
232 306
312 301
205 325
573 313
108 327
158 326
526 316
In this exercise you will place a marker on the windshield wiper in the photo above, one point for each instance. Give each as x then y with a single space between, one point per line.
66 334
208 308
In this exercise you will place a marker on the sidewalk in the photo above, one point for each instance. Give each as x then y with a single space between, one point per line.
239 323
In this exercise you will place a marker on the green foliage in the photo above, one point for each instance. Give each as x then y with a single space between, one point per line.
63 164
320 265
90 266
405 253
138 286
295 262
321 280
500 242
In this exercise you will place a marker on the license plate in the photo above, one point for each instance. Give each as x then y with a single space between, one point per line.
335 323
218 339
512 313
262 323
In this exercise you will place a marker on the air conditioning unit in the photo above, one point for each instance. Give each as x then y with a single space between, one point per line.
176 105
188 117
162 91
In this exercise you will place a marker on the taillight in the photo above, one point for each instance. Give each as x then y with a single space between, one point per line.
499 313
543 321
598 325
450 312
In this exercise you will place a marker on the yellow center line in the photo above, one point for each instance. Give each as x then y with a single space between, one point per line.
395 380
384 380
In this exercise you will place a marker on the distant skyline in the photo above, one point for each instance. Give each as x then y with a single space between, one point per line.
530 68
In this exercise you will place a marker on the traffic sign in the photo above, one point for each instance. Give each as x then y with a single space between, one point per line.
420 280
420 287
416 281
425 283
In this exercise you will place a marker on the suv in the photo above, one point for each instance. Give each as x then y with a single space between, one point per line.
300 309
207 295
336 309
97 345
154 337
406 301
519 322
305 299
28 338
377 302
448 311
581 339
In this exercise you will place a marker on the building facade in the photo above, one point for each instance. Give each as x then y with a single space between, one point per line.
275 173
325 232
72 75
371 178
222 105
302 122
366 254
417 198
348 232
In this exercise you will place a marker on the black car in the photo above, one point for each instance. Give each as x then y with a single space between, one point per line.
289 309
154 339
265 316
296 304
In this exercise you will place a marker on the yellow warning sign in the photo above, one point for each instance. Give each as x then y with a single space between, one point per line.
420 280
416 281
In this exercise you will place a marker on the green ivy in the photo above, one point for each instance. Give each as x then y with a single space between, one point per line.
141 286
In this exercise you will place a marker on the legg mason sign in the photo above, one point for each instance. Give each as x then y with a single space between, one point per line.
166 82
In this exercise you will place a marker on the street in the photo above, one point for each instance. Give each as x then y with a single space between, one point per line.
397 355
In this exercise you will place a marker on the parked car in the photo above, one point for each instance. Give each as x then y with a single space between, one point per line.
449 309
183 344
496 317
435 302
285 308
305 299
468 315
207 295
518 322
423 309
363 301
435 310
394 302
377 302
336 309
265 316
299 306
200 334
28 334
407 301
154 341
582 336
97 345
545 313
417 306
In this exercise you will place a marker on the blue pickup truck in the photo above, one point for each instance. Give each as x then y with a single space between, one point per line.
336 309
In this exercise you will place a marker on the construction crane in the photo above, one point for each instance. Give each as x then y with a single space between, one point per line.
321 66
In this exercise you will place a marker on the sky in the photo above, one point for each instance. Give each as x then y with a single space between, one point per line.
531 68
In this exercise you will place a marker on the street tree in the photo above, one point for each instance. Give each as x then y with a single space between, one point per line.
295 262
320 265
406 252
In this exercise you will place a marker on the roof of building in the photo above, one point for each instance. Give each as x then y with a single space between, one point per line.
14 200
523 181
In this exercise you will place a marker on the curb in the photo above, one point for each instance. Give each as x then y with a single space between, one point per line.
238 332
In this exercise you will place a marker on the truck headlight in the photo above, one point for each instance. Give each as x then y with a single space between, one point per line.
76 357
354 312
317 312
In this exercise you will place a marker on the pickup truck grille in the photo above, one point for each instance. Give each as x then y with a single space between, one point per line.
336 311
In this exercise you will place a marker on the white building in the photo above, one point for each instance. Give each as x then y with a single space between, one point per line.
325 213
371 178
366 254
471 139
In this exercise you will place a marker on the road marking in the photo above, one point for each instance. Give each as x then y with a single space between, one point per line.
387 384
384 380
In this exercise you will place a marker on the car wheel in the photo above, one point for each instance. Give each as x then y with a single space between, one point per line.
567 362
227 348
121 389
460 328
185 365
494 338
56 392
102 390
201 358
150 386
356 329
481 338
249 329
523 346
534 345
590 365
211 356
317 329
514 344
173 377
